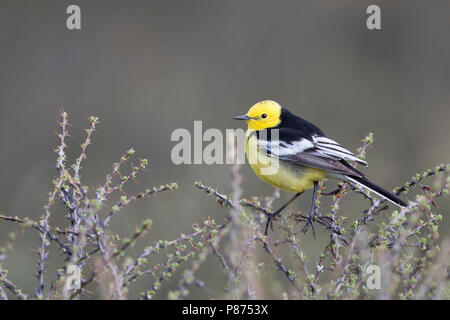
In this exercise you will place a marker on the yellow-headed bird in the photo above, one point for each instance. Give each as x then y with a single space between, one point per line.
292 154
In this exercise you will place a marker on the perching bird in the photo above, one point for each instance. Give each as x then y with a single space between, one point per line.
298 155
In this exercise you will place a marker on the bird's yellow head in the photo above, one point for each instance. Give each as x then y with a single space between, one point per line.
263 115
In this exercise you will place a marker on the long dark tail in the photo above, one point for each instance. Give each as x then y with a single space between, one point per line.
378 190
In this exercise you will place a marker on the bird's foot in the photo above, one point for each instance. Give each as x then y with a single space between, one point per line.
270 217
269 222
309 221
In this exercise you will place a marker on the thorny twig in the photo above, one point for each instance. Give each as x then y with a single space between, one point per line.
344 258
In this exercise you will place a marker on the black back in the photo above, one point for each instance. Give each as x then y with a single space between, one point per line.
291 128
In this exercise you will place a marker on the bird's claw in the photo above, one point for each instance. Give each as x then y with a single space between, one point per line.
270 217
309 221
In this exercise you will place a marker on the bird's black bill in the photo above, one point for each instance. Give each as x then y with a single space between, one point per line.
244 117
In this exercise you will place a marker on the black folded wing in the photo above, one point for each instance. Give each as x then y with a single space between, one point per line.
316 151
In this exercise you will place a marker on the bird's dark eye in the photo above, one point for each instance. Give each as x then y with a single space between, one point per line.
264 115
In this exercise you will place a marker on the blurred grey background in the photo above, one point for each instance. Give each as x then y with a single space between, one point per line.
149 67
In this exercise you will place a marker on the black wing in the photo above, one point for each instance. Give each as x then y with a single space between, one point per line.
316 151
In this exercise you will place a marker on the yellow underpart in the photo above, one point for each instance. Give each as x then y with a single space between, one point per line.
281 174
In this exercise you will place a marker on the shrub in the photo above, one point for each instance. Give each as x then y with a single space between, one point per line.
404 248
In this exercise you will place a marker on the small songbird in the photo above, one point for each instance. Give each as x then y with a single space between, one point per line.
297 155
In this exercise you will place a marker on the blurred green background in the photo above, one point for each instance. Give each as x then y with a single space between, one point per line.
149 67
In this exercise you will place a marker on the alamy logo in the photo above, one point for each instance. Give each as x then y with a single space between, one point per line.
73 281
373 22
374 280
190 148
73 21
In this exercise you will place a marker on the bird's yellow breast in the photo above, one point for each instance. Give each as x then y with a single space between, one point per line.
281 174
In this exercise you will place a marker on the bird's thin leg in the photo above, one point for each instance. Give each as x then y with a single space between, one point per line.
312 212
278 211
